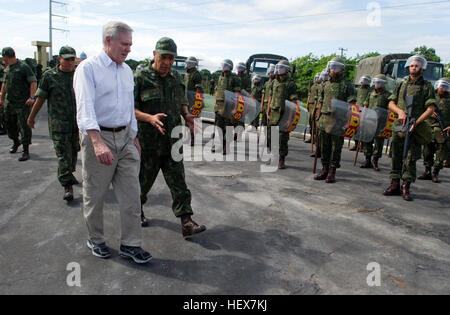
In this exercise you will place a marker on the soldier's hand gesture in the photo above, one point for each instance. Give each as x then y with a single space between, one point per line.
402 117
30 122
155 121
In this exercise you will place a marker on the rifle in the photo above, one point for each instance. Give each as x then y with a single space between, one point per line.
409 124
441 123
313 127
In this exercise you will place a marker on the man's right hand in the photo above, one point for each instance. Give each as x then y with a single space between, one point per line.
155 121
103 154
402 117
30 122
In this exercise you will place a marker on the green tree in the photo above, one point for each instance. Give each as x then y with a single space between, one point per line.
132 64
429 53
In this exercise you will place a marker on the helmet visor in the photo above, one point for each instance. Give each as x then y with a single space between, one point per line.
364 80
281 69
190 64
336 66
378 83
442 84
423 62
271 70
226 66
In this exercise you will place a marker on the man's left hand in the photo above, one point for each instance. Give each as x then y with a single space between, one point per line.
30 102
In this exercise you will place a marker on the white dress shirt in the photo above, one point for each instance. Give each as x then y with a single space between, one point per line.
104 92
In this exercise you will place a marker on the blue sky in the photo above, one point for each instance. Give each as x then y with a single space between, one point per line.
214 30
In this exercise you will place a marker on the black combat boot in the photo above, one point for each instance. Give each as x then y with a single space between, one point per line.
331 178
144 220
426 175
14 147
366 164
25 154
405 191
281 164
189 227
323 174
394 188
68 193
355 147
375 164
435 176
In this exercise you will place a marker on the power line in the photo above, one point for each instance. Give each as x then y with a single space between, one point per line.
255 21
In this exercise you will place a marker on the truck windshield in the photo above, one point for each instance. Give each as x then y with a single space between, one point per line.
179 65
263 65
433 72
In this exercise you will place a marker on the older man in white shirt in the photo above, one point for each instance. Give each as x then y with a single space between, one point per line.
110 151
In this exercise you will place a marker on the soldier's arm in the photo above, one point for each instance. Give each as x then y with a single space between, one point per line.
34 111
2 94
393 107
427 114
262 102
430 103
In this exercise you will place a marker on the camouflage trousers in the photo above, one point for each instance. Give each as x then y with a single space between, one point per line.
375 151
16 123
440 149
173 173
222 123
284 141
331 149
414 154
67 146
2 118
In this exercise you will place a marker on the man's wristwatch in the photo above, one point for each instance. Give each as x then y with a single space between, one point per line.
34 97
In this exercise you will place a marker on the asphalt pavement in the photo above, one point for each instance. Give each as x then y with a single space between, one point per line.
268 233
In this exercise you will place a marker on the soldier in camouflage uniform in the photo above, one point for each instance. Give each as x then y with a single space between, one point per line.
379 97
311 102
283 89
257 91
362 93
439 145
17 92
339 88
160 102
2 118
266 93
192 81
228 81
56 86
422 108
246 89
193 77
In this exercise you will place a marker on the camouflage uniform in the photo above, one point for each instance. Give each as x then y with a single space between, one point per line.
280 93
192 80
256 93
229 83
362 93
314 94
424 97
267 88
331 145
246 85
380 100
438 146
57 87
2 116
154 94
18 78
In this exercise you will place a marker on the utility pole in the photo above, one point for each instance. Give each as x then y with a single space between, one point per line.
342 51
50 23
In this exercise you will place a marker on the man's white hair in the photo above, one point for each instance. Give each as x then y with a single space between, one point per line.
112 29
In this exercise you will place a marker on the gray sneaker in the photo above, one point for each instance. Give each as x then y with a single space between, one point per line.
99 250
139 255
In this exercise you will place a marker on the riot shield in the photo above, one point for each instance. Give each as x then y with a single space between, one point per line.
197 101
386 131
293 116
367 126
240 108
347 119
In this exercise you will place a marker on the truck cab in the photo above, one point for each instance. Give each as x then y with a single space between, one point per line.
393 66
259 63
180 65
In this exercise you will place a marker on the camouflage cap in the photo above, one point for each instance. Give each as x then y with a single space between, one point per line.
67 52
166 46
8 52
